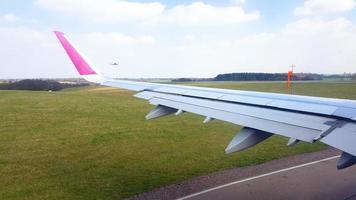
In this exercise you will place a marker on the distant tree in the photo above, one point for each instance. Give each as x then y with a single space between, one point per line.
182 80
38 85
264 77
191 79
251 77
353 77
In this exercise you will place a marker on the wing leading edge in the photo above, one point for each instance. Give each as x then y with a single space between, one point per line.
301 118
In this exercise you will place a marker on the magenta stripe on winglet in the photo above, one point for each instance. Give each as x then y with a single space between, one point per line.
82 66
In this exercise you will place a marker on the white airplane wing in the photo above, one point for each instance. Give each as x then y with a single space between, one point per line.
301 118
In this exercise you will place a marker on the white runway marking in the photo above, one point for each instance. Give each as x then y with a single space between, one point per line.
256 177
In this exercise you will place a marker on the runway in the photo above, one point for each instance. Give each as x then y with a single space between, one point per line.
306 176
315 180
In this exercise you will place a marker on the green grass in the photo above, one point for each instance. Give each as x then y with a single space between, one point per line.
94 143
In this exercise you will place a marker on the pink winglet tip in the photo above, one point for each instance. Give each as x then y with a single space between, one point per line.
79 62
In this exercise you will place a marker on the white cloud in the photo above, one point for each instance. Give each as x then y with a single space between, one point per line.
321 46
327 47
27 52
321 7
238 2
117 38
314 45
104 10
10 18
318 27
197 13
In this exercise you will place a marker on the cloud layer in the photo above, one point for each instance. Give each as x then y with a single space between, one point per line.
196 13
319 39
104 10
322 7
10 18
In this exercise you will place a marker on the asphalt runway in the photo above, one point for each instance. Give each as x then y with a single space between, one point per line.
304 176
315 180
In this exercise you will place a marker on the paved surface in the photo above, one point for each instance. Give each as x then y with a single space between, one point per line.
320 180
315 181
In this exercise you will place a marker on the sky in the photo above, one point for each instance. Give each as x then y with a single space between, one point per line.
170 39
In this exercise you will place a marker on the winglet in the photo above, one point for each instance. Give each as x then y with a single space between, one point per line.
80 62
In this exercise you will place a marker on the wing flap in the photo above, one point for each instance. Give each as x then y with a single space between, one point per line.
287 130
309 121
300 126
314 105
305 107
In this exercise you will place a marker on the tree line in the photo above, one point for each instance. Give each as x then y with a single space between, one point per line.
38 85
353 77
266 77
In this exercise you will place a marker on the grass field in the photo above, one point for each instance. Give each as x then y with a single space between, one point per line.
93 142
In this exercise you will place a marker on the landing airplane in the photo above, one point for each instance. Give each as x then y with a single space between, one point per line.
301 118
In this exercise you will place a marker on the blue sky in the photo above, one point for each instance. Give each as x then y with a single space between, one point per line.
178 38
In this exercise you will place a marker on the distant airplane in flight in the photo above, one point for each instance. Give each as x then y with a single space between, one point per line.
301 118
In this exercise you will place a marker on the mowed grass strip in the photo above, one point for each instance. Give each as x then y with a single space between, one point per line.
94 143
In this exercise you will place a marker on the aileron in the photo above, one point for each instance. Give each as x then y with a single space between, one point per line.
289 130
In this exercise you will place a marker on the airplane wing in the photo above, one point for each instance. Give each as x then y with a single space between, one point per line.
301 118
